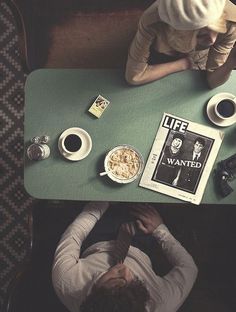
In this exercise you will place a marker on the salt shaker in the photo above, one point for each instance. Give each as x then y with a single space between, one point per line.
38 151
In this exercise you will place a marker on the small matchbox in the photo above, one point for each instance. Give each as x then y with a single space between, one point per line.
98 106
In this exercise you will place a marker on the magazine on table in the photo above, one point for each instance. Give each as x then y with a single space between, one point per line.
181 158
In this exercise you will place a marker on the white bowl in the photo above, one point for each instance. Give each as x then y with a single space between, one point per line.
123 164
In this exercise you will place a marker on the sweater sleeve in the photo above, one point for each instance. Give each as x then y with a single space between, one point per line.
68 267
139 51
177 284
219 52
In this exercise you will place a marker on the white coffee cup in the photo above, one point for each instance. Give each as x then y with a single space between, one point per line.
225 108
71 143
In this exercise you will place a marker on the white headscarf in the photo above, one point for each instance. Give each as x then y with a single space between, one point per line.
193 14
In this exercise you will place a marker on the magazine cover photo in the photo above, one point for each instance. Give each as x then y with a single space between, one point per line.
181 158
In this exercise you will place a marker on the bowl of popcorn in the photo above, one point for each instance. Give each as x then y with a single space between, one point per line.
123 164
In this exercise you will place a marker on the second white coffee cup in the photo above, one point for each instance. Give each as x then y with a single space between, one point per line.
225 109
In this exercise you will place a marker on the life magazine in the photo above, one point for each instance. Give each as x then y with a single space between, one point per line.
181 158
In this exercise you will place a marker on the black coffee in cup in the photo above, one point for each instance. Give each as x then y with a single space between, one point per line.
226 108
72 143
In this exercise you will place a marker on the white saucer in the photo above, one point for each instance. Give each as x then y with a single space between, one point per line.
85 148
210 110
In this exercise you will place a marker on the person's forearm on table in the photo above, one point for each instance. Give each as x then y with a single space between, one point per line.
174 251
155 72
68 250
179 281
219 76
67 262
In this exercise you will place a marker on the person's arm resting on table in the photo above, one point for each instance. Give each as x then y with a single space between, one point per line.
179 281
138 71
67 255
177 284
221 60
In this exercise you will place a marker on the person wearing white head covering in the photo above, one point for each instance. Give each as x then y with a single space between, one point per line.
177 35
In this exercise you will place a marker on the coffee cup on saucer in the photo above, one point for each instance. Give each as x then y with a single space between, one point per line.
74 144
221 109
71 143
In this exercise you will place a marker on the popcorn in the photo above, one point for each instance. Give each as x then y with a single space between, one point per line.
98 106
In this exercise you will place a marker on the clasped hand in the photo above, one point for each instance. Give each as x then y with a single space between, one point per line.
147 217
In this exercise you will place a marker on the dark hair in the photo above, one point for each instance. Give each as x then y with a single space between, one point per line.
179 136
200 140
129 298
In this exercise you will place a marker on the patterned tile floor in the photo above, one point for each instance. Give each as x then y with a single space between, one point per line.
14 202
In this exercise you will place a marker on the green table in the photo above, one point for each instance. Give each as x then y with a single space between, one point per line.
59 99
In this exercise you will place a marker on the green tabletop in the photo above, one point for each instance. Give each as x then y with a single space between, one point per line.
57 99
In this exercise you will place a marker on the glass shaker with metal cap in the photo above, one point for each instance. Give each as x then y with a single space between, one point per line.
38 150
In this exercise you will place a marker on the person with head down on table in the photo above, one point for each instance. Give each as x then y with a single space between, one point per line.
178 35
113 275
